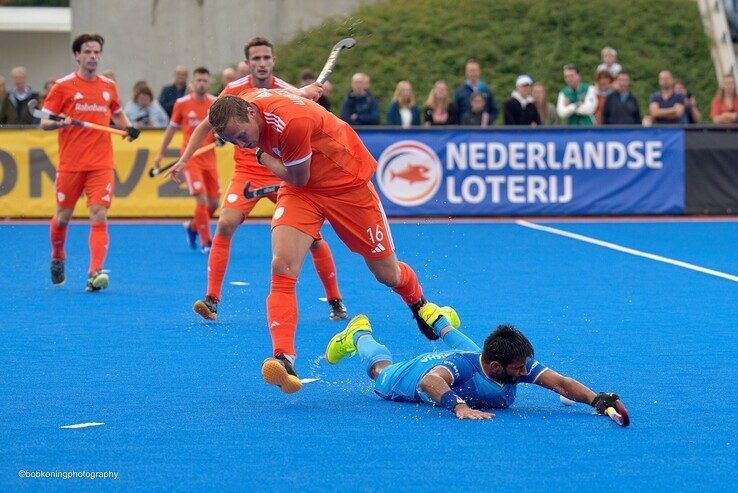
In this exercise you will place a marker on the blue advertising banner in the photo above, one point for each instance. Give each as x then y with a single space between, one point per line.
529 172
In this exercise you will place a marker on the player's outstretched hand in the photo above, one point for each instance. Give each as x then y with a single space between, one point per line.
133 134
603 400
175 172
312 91
463 411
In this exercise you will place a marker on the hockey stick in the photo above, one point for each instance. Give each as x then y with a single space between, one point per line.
156 172
253 193
45 115
618 414
333 58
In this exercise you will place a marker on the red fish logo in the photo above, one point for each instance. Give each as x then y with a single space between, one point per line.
412 173
409 173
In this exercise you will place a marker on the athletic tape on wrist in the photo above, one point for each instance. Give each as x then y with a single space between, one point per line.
449 400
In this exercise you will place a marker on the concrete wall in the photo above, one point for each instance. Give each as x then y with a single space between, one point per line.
145 39
45 56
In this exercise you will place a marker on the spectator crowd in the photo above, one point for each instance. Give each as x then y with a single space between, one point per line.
608 100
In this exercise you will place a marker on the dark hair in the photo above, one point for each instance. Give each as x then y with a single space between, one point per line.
201 70
307 74
571 66
142 87
257 41
505 345
84 38
226 107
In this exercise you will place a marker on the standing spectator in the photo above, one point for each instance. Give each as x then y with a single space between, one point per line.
15 107
667 106
143 110
242 70
621 106
724 107
402 110
472 84
45 92
609 61
521 109
307 77
603 86
690 103
171 93
546 109
476 116
360 107
577 101
439 109
3 96
228 75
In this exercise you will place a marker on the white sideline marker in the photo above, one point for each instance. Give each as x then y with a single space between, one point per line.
239 283
309 380
82 425
631 251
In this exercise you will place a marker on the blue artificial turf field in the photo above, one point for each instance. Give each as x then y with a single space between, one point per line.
184 405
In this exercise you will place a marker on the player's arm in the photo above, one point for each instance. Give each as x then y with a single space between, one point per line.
296 174
437 385
121 121
165 141
576 391
196 139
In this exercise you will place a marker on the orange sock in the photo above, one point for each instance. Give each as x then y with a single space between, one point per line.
98 241
58 235
217 264
408 288
202 223
282 314
326 269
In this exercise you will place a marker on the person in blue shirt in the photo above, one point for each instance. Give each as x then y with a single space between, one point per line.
466 379
360 107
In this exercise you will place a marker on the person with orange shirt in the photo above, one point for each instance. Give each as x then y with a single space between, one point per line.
202 172
235 207
85 155
326 172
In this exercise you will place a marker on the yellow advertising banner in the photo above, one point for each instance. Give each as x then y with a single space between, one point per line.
28 160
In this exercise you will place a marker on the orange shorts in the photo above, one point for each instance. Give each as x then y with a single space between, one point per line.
357 218
98 185
201 180
234 198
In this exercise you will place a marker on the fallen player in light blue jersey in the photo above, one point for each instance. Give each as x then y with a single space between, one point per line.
465 379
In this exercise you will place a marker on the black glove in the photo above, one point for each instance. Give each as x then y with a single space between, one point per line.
133 133
603 400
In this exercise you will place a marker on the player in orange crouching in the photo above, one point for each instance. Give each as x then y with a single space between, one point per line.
85 155
326 171
235 208
201 172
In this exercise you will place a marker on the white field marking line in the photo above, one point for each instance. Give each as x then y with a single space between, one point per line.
239 283
309 380
81 425
323 299
630 251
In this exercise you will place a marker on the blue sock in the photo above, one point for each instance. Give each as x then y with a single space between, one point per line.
439 324
455 339
370 351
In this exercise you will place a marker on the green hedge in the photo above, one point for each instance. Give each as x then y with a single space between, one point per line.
427 40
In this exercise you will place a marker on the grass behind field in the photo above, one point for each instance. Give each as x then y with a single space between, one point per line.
427 40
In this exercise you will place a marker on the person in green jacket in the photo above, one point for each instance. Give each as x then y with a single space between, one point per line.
577 101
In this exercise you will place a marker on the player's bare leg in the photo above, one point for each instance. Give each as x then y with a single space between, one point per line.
58 236
220 250
402 279
326 269
201 221
99 241
289 247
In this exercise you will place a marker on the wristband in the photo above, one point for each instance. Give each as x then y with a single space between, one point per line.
259 152
449 400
